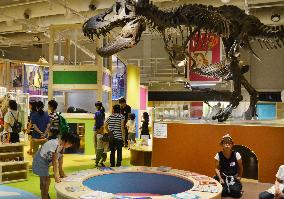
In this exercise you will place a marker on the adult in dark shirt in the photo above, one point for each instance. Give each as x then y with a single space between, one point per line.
125 110
229 168
41 122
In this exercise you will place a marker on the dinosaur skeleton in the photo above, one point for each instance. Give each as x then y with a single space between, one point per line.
180 28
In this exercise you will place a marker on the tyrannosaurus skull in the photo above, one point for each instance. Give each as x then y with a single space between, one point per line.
121 14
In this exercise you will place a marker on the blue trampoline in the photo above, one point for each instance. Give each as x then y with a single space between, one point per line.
139 183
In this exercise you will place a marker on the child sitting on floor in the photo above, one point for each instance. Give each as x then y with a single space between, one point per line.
51 153
102 148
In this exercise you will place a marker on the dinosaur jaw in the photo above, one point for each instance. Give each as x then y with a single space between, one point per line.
129 36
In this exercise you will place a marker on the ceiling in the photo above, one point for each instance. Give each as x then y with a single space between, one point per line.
19 17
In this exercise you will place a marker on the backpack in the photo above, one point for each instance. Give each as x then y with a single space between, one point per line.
17 126
63 125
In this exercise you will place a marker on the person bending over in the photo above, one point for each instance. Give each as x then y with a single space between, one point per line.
51 153
229 168
276 191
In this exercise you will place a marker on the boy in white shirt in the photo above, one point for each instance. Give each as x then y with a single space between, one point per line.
131 126
276 191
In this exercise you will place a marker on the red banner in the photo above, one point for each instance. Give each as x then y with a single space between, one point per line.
204 50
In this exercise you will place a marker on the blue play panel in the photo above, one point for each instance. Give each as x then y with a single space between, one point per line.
13 193
138 182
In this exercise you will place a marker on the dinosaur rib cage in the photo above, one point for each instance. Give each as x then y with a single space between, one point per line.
217 70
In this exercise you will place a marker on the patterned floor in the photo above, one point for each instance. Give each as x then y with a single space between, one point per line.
13 193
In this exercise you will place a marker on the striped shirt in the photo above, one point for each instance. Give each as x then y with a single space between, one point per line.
54 119
114 125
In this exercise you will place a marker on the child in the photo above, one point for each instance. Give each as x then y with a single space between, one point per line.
131 127
54 133
101 151
51 153
229 168
144 128
99 124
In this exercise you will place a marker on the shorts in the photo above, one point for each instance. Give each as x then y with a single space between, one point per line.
40 165
131 136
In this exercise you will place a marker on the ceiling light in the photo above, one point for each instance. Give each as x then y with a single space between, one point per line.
225 1
275 17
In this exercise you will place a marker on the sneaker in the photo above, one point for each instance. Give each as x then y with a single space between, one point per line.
102 164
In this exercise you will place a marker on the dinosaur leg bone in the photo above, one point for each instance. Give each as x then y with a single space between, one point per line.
236 94
251 112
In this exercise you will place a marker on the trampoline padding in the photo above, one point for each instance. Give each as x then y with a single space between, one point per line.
138 182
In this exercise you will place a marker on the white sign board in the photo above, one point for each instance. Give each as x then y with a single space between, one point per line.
160 130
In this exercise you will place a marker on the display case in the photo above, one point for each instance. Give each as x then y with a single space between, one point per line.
177 110
279 110
13 168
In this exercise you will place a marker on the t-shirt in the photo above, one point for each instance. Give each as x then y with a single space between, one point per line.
125 112
99 117
238 156
280 176
100 143
114 125
54 119
41 120
228 166
50 147
131 126
8 118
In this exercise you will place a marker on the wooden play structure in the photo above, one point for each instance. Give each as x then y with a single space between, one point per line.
65 77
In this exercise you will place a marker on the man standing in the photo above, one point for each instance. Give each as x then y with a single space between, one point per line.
125 111
114 126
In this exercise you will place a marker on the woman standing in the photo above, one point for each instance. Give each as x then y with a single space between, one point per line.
41 124
9 120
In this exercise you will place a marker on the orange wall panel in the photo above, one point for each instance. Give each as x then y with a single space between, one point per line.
193 147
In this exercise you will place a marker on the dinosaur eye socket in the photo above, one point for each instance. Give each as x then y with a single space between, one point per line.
117 8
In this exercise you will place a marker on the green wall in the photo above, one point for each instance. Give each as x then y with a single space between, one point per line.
75 77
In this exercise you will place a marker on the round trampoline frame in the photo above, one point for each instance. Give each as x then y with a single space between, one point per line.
63 188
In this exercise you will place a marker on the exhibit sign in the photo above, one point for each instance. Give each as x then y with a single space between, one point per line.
160 130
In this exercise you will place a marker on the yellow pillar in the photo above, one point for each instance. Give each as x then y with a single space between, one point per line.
133 86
